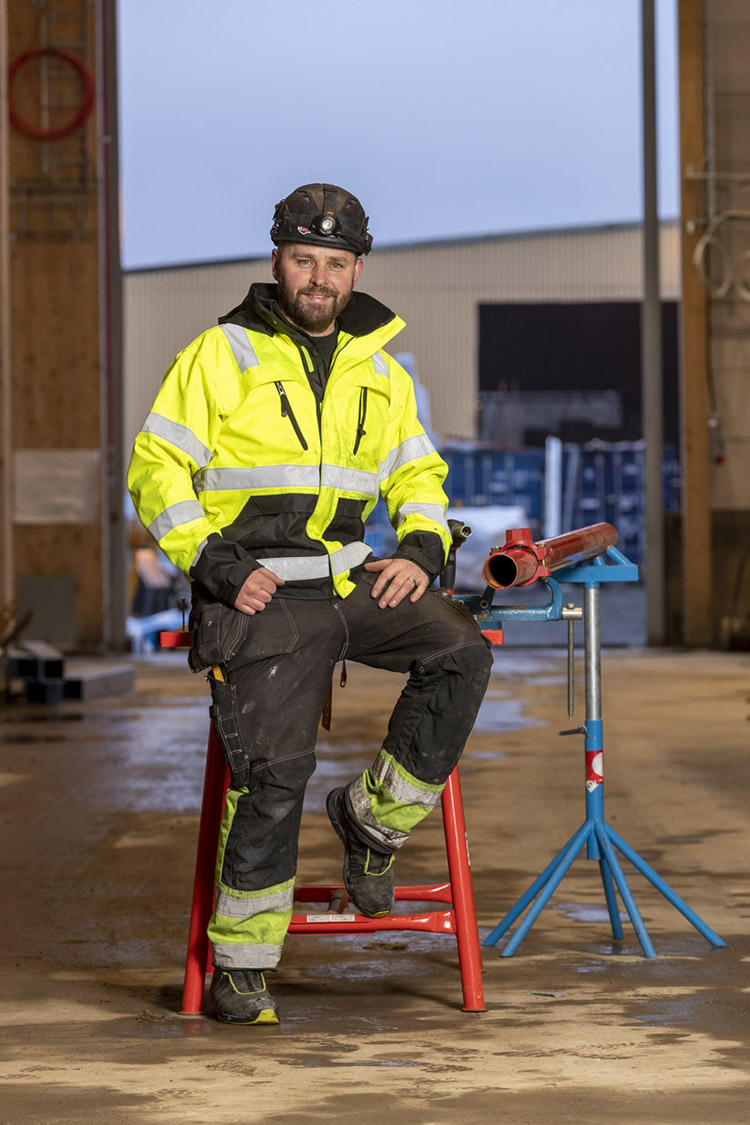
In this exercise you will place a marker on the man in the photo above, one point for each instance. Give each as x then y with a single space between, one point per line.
268 445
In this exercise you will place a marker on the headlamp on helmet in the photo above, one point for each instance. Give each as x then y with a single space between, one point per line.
324 215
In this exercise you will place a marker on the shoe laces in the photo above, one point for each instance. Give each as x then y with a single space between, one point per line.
247 980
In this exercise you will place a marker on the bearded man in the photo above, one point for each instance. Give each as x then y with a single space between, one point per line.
268 445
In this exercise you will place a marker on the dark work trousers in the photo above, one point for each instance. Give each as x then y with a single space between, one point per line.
267 714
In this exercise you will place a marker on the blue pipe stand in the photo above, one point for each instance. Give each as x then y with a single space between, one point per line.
601 841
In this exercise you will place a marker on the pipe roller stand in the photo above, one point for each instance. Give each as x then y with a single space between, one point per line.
587 557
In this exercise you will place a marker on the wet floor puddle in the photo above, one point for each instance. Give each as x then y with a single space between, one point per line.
498 716
585 912
368 1062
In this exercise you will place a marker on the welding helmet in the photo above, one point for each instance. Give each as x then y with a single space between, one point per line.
324 215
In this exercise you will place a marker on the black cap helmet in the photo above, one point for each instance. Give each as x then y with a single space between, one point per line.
322 214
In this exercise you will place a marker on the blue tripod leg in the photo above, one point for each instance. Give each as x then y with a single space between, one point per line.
569 853
666 890
611 897
624 889
516 911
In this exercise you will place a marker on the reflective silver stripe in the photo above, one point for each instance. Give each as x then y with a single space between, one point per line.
261 476
435 512
351 555
286 476
178 435
349 480
380 364
175 516
246 906
409 450
391 837
298 568
198 553
301 568
242 350
240 956
385 773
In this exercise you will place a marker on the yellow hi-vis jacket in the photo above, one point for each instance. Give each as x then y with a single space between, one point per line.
240 465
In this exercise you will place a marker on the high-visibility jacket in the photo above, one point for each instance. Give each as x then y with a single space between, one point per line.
239 465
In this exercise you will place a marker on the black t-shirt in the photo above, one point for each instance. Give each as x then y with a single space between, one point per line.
321 349
325 346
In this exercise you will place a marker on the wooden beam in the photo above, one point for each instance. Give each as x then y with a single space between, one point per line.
697 601
7 574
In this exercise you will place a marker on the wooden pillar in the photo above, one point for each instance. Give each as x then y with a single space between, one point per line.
7 585
56 445
698 622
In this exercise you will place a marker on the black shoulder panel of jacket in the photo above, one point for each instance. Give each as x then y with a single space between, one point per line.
260 312
223 567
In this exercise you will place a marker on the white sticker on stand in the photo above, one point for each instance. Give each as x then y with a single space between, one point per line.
330 918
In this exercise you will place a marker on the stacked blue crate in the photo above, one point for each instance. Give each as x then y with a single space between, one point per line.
609 489
478 477
602 482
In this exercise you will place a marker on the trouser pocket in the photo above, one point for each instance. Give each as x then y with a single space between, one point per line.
217 631
223 711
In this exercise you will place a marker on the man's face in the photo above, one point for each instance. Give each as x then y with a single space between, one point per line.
315 284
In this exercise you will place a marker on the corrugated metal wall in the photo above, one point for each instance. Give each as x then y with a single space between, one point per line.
436 288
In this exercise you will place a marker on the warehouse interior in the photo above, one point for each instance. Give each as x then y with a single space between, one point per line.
100 786
61 256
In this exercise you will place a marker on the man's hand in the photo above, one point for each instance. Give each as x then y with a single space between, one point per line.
398 578
257 591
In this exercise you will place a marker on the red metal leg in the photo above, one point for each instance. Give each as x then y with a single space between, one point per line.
214 786
461 920
459 872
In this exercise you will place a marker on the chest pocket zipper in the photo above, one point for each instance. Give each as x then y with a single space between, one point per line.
361 431
287 412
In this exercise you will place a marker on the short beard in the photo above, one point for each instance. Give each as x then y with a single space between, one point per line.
310 318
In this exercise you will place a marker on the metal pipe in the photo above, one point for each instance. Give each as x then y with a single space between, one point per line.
460 532
521 561
113 529
651 343
571 667
592 653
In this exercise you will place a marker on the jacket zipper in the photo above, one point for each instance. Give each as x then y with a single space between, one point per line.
361 431
287 412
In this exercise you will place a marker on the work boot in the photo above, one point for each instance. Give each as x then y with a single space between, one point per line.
241 996
368 874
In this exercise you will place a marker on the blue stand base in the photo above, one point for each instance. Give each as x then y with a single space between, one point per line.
600 838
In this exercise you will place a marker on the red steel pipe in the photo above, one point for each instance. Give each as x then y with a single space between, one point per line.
521 561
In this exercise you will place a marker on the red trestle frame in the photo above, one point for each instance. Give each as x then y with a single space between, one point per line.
460 919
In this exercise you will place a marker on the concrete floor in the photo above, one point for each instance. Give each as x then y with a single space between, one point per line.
97 836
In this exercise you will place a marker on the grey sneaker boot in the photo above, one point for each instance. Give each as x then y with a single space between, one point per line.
241 996
368 874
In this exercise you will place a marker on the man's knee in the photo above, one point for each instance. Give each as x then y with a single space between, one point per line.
280 783
475 664
261 846
464 673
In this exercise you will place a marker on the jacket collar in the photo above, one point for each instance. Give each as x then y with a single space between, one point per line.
260 312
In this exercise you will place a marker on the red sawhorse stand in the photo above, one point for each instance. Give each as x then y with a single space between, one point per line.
457 893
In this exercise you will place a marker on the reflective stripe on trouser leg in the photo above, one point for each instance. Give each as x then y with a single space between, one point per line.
256 865
247 928
388 801
426 735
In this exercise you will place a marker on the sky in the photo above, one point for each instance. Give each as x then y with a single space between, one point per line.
447 118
